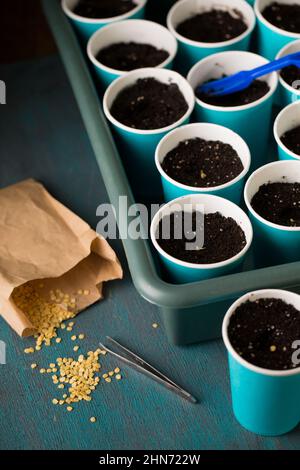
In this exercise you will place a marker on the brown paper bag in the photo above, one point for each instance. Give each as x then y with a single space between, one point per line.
43 240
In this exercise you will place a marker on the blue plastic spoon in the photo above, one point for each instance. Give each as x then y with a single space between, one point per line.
241 80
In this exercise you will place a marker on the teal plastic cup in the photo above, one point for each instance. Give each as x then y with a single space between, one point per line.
286 120
286 93
145 32
271 39
251 121
189 51
138 145
264 401
232 190
182 272
86 27
273 243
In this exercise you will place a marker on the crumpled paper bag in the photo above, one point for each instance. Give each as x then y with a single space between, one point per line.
43 242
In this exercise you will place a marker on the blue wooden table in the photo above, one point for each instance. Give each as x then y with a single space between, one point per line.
42 136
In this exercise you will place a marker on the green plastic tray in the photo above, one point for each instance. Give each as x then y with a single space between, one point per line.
191 312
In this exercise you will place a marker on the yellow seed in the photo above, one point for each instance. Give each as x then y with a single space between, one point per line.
61 386
108 379
65 395
55 401
75 348
118 377
49 371
105 376
73 338
80 292
69 408
86 292
93 419
42 371
154 325
33 366
81 336
71 323
63 326
58 340
272 348
117 370
111 373
61 402
29 350
69 328
38 348
51 365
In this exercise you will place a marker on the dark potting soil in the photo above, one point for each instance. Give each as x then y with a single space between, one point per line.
223 237
283 16
291 139
290 75
202 163
254 92
262 332
99 9
149 104
131 55
213 26
278 203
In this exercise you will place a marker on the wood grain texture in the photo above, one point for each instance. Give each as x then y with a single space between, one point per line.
42 136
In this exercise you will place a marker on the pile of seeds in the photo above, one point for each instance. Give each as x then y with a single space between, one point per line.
45 316
76 378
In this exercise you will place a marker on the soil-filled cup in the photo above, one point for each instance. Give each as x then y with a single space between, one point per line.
182 272
191 51
287 93
231 190
273 243
251 121
86 27
138 145
287 119
264 401
138 31
271 38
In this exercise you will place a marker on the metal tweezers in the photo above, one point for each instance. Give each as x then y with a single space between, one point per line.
143 367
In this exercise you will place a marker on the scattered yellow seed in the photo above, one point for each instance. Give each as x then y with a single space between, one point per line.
93 419
63 326
71 323
54 369
29 350
108 379
58 340
118 377
42 371
51 365
61 402
75 348
73 338
69 328
154 325
103 352
55 401
117 370
105 376
81 336
33 366
38 348
69 408
86 292
61 386
80 292
49 371
111 373
272 348
65 395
